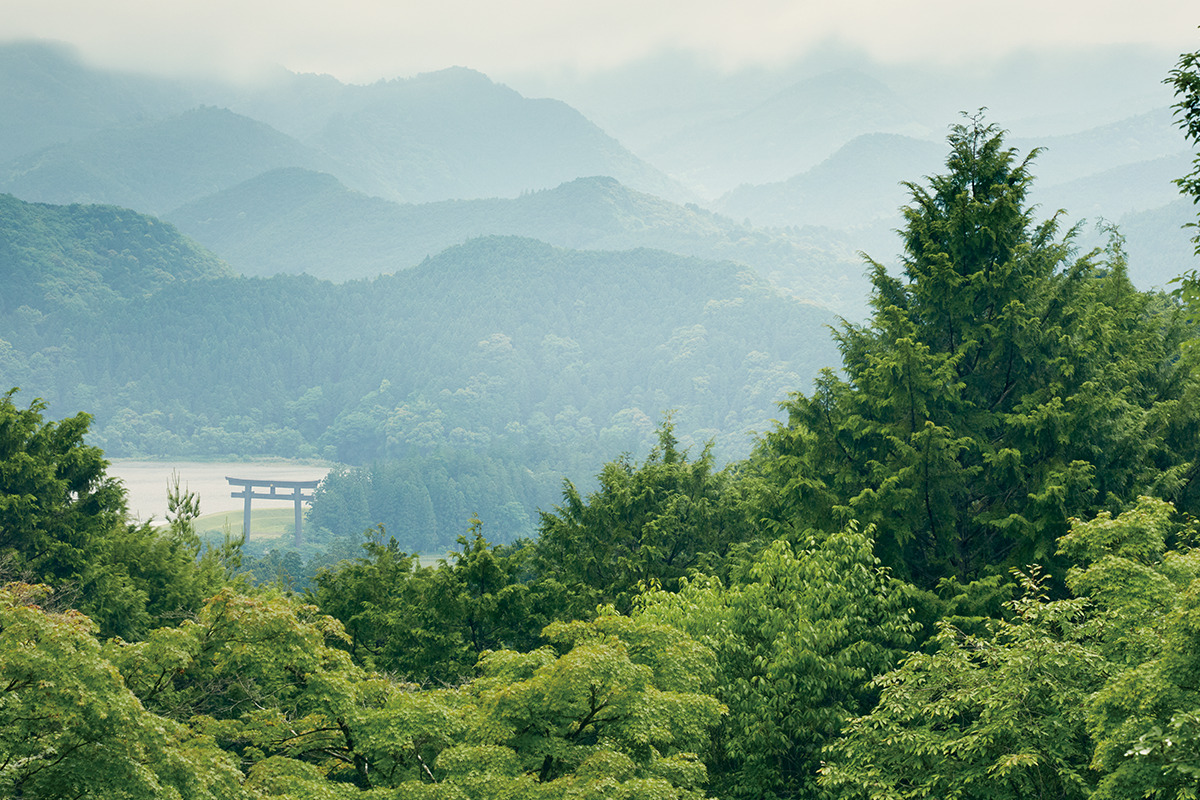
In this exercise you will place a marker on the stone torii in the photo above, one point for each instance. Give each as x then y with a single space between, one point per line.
297 495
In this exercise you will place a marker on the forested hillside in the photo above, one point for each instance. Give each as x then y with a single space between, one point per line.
55 258
965 565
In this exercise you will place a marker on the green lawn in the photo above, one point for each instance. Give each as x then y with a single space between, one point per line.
268 523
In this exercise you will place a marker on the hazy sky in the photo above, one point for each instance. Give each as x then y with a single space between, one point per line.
364 40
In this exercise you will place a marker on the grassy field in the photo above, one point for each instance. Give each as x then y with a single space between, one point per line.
267 524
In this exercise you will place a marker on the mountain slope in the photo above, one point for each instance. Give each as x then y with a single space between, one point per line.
1123 189
54 257
49 97
858 185
157 166
72 133
502 335
456 134
517 354
1143 137
1159 243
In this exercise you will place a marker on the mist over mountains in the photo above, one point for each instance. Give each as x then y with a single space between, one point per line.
822 144
295 220
390 249
443 135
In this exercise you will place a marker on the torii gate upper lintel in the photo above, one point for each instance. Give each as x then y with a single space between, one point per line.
297 495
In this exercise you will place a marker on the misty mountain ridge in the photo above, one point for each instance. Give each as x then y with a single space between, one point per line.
449 134
1048 91
788 133
1095 175
292 220
1141 137
441 135
812 153
157 166
50 97
857 185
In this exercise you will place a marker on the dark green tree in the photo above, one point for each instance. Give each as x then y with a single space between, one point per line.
63 524
72 727
56 502
433 623
798 633
1186 80
1001 386
1003 715
647 523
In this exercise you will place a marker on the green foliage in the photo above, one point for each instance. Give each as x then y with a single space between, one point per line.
56 503
62 523
1142 720
1002 715
433 623
647 524
798 635
260 675
73 729
1093 696
1186 80
621 704
1001 389
618 710
619 684
383 600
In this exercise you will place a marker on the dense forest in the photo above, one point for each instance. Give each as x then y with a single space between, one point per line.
964 565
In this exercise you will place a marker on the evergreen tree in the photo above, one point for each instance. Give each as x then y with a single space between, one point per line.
1002 386
1186 80
646 524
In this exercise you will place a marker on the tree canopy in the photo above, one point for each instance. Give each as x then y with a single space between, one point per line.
966 566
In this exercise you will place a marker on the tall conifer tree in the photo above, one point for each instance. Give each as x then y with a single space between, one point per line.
1002 386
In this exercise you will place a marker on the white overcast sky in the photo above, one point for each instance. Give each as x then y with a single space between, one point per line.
364 40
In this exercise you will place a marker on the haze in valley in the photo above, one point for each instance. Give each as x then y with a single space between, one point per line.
370 191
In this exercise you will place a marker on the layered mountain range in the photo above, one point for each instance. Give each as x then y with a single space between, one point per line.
783 178
808 161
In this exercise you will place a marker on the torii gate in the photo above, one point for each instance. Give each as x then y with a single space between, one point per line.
250 484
